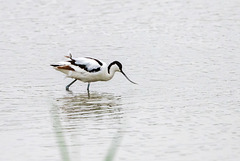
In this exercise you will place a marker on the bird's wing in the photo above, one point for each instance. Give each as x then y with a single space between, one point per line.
87 63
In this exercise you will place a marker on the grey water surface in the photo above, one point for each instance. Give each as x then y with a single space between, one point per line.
184 55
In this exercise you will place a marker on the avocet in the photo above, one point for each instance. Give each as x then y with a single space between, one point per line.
87 69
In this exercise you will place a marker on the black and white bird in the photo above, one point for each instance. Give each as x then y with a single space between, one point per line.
87 69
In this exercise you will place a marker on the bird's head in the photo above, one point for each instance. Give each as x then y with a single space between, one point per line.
117 66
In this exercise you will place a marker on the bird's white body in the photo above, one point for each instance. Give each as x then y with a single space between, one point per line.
86 76
88 69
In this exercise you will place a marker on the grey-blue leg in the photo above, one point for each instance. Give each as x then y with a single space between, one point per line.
88 86
67 87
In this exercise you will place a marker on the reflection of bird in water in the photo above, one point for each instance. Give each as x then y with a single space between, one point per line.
88 69
82 106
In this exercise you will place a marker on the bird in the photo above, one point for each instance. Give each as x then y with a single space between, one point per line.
88 69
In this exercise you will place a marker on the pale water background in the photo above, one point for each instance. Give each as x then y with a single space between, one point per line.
184 55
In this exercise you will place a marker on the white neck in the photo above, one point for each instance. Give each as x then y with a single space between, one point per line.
110 73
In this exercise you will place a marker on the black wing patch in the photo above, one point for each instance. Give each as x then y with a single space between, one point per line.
84 66
100 63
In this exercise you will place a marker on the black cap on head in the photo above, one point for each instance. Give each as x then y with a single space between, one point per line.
120 68
113 63
118 64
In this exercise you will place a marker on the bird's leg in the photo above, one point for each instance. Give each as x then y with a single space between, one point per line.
88 90
88 94
67 87
88 86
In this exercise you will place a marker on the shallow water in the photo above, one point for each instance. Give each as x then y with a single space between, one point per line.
184 56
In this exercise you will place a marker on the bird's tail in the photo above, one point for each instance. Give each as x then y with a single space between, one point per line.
66 63
70 55
55 65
